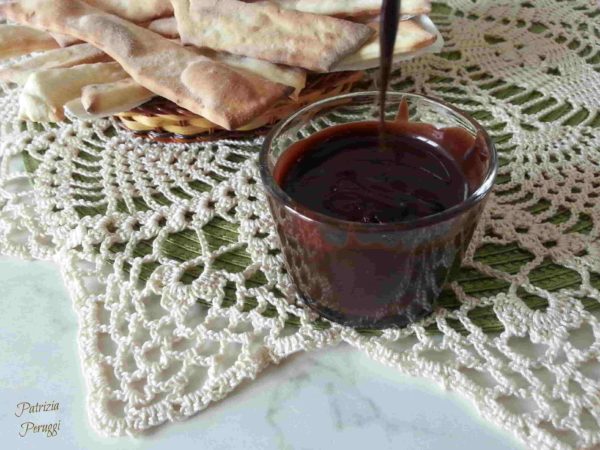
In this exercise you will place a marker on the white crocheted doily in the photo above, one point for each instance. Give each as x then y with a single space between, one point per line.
173 264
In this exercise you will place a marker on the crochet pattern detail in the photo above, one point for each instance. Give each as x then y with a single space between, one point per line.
174 267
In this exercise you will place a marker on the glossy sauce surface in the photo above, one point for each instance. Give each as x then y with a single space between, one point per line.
344 172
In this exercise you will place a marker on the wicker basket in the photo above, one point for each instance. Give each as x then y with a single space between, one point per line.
162 120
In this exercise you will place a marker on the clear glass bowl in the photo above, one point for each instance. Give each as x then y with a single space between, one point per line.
375 275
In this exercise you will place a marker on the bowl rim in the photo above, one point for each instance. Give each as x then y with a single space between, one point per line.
307 213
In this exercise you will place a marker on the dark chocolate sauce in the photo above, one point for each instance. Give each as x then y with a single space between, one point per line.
341 172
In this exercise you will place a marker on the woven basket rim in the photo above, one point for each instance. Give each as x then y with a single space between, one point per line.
164 121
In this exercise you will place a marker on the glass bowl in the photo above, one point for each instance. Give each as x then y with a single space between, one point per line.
375 275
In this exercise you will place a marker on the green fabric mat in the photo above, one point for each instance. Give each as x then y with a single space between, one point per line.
509 259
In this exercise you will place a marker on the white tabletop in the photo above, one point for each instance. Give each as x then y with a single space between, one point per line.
336 398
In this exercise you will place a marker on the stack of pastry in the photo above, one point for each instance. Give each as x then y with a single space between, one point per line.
192 67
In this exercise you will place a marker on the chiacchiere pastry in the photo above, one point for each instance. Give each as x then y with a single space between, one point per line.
46 92
313 42
203 65
17 40
211 89
356 8
53 59
113 98
135 10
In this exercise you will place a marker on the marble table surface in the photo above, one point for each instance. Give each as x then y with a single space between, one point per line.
331 399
